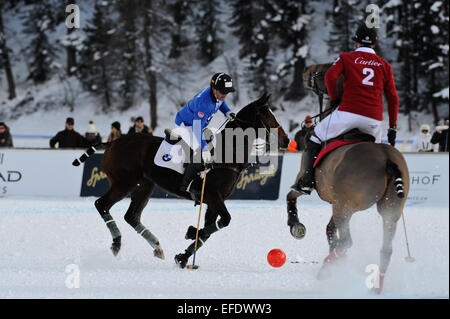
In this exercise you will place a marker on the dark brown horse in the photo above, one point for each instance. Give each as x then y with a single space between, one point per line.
353 178
129 164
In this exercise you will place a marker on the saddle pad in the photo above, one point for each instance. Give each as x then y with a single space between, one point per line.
331 147
170 156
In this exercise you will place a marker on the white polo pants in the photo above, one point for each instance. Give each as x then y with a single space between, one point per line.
339 122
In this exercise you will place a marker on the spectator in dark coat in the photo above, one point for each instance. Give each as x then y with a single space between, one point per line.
91 137
68 138
441 137
301 134
5 136
115 132
140 127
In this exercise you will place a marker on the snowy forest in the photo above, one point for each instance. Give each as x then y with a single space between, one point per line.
129 51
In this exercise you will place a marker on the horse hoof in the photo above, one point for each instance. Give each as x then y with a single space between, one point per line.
159 253
115 247
181 260
298 230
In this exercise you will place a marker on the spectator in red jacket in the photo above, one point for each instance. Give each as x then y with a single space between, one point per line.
366 77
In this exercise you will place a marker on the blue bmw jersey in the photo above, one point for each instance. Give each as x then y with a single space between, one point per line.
201 108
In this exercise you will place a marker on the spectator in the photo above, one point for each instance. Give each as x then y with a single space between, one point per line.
422 143
5 136
68 138
441 137
139 127
299 137
115 132
92 137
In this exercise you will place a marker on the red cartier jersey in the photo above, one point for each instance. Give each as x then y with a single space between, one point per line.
366 76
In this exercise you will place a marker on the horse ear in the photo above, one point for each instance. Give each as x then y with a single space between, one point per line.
264 99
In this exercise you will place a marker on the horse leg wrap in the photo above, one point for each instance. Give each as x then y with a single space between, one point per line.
331 237
190 250
148 236
211 229
111 224
292 213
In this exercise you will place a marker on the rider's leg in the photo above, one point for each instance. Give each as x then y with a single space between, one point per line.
305 183
191 171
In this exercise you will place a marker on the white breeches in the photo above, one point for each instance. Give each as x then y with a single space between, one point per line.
339 122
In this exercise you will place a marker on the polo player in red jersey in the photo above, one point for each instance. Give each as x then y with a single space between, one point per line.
366 77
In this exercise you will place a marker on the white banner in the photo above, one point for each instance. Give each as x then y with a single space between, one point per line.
39 172
43 172
428 172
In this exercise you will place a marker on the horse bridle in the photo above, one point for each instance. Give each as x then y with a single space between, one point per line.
313 76
312 81
268 132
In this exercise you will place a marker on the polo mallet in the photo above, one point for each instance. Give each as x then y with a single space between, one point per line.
408 258
194 266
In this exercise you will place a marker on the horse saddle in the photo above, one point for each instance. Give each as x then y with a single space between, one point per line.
173 152
350 137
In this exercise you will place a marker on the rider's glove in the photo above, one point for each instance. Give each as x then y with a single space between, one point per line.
231 116
206 156
392 134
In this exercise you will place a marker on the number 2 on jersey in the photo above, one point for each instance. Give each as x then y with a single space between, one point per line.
370 75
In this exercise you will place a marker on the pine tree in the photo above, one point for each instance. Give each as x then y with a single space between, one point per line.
345 17
39 21
433 53
126 51
254 34
290 19
207 29
151 29
180 13
5 61
71 51
96 69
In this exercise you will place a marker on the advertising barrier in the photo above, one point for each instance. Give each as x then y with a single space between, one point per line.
257 182
428 174
40 172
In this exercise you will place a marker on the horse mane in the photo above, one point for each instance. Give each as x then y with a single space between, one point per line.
248 112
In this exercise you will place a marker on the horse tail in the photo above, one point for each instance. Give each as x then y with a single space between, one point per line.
91 150
395 174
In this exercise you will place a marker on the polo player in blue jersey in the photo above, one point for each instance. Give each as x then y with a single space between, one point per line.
197 114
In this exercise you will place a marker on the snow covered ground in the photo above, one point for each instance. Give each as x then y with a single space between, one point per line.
45 241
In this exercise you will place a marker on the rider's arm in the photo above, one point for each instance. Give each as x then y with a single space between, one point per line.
391 96
224 108
331 77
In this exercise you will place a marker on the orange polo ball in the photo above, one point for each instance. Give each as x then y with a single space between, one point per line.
276 258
